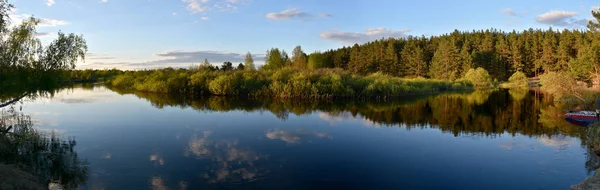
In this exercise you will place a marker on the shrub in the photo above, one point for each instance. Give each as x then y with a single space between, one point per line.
518 79
561 85
283 83
224 85
479 77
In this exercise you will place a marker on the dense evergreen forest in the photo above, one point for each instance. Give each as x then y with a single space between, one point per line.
450 56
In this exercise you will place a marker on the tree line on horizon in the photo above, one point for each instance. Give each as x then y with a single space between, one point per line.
451 56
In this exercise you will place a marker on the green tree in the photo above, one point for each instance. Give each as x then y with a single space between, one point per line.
479 77
249 62
390 60
240 67
594 25
445 62
413 60
299 59
20 49
355 64
317 60
206 66
275 59
518 79
227 66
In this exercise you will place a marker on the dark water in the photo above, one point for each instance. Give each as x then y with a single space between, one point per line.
482 140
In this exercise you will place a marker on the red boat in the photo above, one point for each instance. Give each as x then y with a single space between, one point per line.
582 118
582 115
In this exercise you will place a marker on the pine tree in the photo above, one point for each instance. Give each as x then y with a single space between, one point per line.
355 60
390 61
413 61
445 61
466 60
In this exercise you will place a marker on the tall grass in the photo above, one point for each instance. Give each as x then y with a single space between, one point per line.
282 83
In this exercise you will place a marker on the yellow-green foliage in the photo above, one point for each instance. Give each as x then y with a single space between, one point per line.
479 77
283 83
561 85
518 79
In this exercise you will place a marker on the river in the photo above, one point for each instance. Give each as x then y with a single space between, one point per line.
504 139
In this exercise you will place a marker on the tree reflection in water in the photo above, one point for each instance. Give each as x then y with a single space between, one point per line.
38 158
484 113
487 113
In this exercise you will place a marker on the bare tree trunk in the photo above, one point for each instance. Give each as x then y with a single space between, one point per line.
13 100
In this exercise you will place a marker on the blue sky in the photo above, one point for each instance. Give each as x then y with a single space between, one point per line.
135 34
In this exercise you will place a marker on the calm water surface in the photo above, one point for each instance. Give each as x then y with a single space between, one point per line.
482 140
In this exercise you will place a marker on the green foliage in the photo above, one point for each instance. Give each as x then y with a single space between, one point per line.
299 58
561 85
594 25
288 82
518 79
413 60
240 67
479 77
275 59
224 85
445 62
227 66
25 61
249 62
317 60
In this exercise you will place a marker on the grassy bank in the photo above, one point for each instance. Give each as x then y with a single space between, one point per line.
283 83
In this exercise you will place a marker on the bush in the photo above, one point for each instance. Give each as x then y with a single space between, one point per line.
561 85
283 83
479 77
224 85
518 79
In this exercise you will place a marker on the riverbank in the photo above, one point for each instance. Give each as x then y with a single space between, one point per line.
590 183
283 83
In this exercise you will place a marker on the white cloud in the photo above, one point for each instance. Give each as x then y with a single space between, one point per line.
46 22
205 18
511 12
197 6
174 14
176 58
225 7
558 142
205 6
17 19
294 137
561 19
596 8
96 56
103 1
49 3
289 14
369 35
278 134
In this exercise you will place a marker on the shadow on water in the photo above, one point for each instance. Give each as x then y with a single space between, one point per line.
30 158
